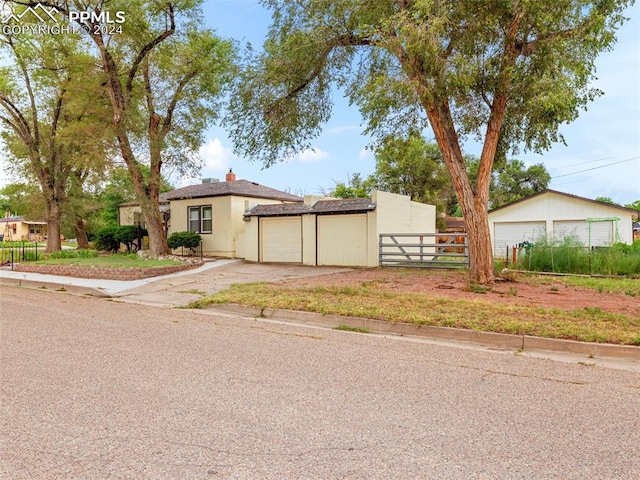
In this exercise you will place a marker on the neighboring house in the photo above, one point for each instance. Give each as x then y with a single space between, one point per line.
454 225
130 213
324 231
214 210
14 229
557 215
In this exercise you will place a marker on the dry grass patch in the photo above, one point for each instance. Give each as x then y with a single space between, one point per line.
370 300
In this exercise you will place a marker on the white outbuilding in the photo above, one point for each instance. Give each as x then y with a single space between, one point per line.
557 215
329 231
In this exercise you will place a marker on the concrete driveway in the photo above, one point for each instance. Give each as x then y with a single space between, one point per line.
179 290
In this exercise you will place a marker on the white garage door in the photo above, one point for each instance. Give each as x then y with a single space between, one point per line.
510 234
342 240
281 240
602 233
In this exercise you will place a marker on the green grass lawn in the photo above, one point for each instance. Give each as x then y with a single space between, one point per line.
116 260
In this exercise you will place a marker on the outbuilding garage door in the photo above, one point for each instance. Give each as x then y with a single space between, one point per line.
510 234
281 240
342 240
602 233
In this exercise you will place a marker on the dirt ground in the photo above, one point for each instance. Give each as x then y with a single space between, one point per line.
524 290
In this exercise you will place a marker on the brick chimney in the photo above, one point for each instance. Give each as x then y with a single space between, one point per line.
231 177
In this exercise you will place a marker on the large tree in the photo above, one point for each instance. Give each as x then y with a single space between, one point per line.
511 180
50 114
22 199
412 166
504 72
164 75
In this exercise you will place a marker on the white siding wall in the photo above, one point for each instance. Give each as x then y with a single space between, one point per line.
398 214
342 240
552 208
251 240
309 239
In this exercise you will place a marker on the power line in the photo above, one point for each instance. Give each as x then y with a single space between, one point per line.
582 163
596 168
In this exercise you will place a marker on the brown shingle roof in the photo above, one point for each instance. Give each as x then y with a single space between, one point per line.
349 205
344 205
242 188
283 209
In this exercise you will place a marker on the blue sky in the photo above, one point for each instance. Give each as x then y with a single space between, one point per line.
603 144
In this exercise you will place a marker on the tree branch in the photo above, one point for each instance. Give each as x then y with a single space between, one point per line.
166 124
148 93
32 101
150 46
21 126
347 40
528 48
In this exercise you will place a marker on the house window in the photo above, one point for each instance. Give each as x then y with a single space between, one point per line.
200 219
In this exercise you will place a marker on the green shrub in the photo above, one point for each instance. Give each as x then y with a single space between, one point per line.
106 240
82 253
128 235
109 238
190 240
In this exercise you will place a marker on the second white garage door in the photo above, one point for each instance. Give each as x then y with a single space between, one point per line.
342 240
281 240
602 233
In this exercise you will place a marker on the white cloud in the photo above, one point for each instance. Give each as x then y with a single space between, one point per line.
216 160
312 155
365 154
215 155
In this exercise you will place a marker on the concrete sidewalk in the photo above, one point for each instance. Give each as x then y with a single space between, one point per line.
173 290
93 286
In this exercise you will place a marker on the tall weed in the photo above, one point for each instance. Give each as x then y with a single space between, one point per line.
568 255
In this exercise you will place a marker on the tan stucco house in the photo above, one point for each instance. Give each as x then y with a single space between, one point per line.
18 228
557 215
213 209
328 231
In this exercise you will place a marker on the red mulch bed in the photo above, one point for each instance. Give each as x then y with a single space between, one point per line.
452 284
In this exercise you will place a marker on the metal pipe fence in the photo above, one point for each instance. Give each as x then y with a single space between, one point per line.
425 250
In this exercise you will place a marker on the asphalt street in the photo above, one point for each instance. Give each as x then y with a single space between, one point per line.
91 388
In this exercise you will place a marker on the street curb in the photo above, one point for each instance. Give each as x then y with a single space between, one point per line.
56 286
500 340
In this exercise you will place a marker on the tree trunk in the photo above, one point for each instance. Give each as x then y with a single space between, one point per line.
473 204
81 234
481 268
149 206
53 213
157 240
